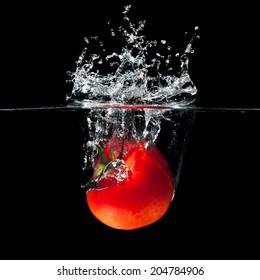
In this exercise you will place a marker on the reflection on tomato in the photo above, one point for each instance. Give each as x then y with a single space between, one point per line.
133 185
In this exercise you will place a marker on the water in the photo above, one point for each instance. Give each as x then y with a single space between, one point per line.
165 128
136 74
134 90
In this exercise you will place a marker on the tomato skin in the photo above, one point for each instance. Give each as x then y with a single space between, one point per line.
141 199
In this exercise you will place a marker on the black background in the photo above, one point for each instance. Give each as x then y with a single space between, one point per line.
43 212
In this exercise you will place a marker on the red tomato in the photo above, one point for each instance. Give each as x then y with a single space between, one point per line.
133 185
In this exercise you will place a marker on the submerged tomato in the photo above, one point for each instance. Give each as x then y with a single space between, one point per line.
133 185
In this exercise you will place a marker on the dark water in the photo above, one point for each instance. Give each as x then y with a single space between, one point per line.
214 214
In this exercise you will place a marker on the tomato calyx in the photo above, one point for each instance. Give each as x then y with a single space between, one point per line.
106 168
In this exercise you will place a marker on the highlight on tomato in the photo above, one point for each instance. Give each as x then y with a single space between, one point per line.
131 186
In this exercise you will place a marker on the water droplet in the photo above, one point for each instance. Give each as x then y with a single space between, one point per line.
159 55
95 38
189 49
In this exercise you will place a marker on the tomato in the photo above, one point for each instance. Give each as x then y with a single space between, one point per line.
133 185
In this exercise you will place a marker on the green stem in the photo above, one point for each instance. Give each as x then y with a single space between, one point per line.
103 158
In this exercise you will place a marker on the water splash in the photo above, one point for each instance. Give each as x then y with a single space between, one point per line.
128 90
137 74
104 123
